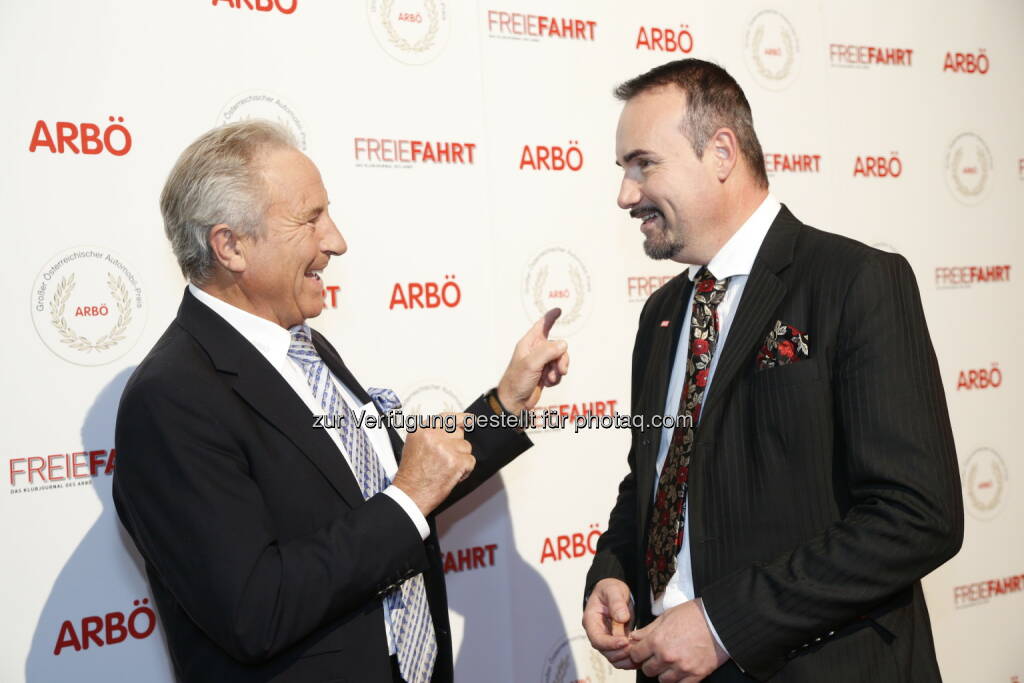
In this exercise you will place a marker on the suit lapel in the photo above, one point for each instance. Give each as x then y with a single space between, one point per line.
762 294
263 388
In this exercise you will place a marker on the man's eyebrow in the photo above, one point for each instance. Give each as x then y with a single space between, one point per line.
312 213
632 155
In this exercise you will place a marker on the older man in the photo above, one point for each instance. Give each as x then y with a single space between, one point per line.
277 551
779 531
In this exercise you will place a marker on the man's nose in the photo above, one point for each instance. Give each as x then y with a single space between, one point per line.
332 242
629 193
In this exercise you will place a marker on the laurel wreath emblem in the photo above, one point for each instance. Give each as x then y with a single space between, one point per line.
68 336
982 506
961 187
787 45
424 43
577 283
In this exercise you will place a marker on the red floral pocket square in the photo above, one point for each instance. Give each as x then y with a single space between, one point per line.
784 345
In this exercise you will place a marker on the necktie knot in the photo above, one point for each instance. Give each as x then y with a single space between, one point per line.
301 347
708 289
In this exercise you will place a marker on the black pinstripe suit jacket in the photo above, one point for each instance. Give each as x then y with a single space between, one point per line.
821 491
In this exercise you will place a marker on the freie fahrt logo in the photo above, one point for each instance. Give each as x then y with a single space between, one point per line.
980 378
466 559
59 470
984 479
640 287
968 167
961 277
260 104
771 50
665 39
537 27
552 157
791 163
402 153
445 294
880 166
63 137
111 628
330 294
867 56
556 277
412 31
966 62
88 306
282 6
980 592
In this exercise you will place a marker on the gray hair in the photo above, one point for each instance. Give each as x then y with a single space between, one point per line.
217 179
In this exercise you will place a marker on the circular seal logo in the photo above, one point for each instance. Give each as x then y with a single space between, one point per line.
411 31
771 50
574 659
968 168
88 306
556 277
984 480
258 104
431 399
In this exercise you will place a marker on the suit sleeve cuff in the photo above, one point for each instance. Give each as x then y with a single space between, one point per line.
714 633
411 509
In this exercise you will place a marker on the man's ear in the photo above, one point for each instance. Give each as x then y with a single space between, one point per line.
725 151
228 249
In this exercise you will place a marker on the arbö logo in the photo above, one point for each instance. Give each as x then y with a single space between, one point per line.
88 306
984 481
258 104
411 31
771 50
556 277
968 167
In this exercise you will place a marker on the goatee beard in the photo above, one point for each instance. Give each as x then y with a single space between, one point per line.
662 246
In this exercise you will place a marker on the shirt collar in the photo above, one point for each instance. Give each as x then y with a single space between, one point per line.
272 340
736 257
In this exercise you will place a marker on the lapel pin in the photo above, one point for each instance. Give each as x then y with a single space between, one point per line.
665 323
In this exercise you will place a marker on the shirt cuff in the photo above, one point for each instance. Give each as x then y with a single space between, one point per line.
711 627
399 496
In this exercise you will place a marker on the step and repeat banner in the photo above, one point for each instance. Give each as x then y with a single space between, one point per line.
468 149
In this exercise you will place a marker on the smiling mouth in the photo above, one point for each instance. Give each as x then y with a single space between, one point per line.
315 274
647 216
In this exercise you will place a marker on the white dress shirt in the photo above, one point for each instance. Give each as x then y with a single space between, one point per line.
734 261
273 342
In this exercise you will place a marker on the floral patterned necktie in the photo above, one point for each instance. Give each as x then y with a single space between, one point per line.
665 531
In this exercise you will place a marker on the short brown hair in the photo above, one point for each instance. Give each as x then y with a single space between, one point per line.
713 100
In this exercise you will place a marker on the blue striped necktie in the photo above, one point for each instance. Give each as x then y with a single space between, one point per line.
411 624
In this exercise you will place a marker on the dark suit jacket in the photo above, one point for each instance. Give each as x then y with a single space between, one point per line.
264 560
820 492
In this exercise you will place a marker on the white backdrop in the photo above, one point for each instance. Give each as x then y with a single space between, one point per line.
103 96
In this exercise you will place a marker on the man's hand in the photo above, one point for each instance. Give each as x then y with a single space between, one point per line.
536 363
433 462
677 646
607 619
